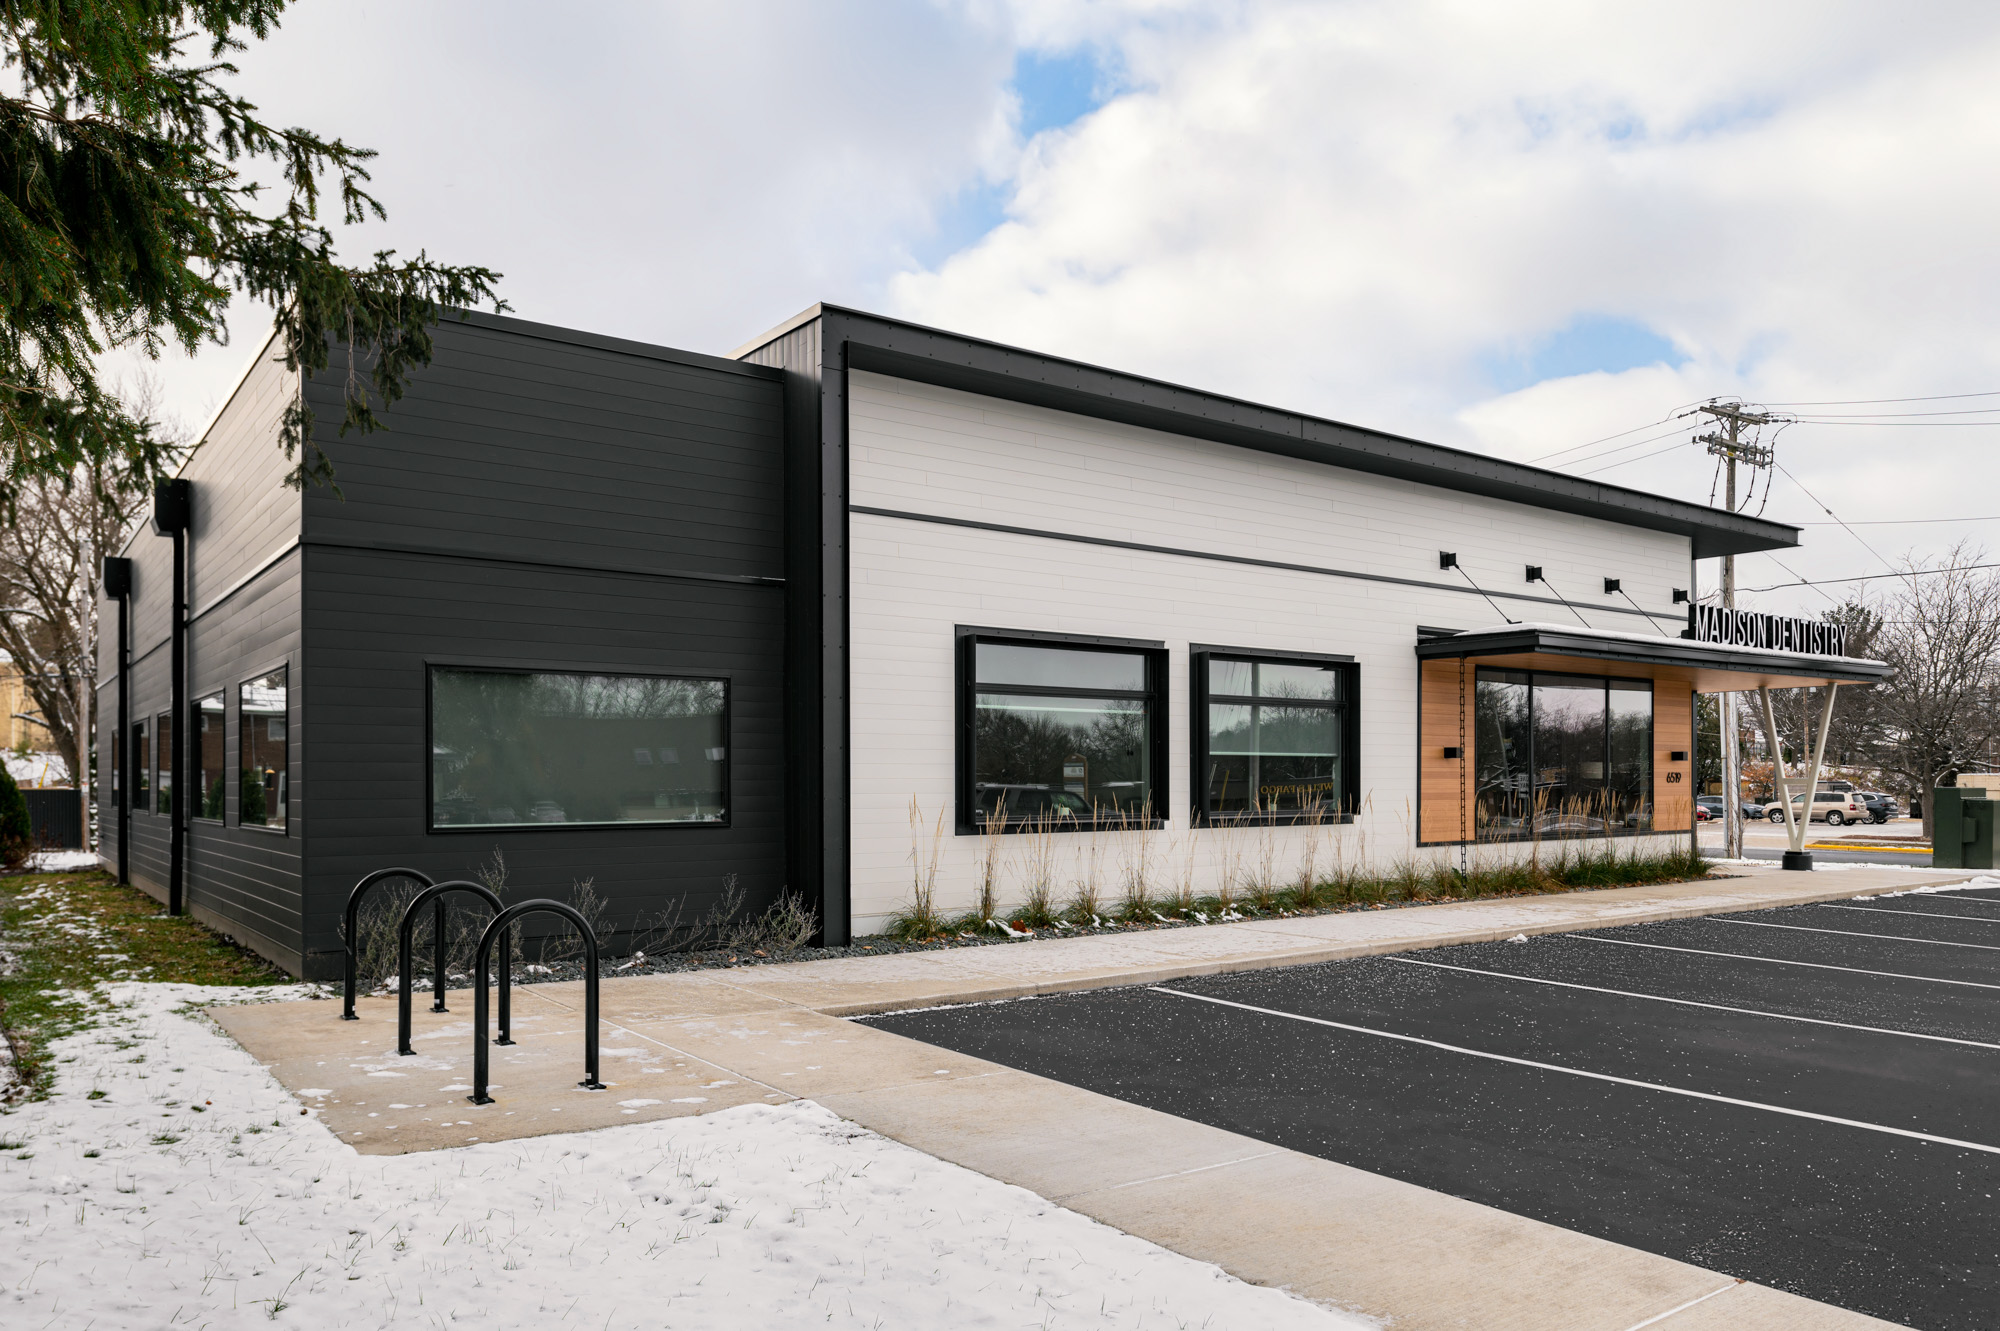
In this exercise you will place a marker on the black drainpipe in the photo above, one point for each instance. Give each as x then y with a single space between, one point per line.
118 583
170 518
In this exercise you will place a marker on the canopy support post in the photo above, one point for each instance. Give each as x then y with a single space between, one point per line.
1797 822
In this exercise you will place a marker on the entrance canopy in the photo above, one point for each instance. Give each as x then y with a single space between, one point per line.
1706 667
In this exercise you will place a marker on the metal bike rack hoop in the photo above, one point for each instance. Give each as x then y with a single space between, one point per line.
353 922
494 928
403 968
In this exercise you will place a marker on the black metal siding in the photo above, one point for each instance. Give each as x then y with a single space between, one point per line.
553 501
246 881
816 614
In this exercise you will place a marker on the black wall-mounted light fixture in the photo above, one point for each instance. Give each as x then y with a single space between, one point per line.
1452 752
1680 596
1613 586
1677 755
1534 573
1447 559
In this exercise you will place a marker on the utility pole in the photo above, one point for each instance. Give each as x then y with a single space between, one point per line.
1727 442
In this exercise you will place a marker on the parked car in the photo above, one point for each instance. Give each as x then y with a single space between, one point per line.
1881 807
1832 807
1713 803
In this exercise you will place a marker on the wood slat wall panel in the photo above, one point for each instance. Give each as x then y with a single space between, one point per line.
1441 814
1673 728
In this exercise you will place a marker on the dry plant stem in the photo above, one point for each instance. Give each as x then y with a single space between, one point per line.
1086 901
1038 872
920 919
990 843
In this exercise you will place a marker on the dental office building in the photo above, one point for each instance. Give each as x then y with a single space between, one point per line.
659 620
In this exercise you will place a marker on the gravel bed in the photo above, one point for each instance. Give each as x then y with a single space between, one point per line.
879 945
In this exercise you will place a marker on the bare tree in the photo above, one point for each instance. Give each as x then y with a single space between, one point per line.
56 532
1941 634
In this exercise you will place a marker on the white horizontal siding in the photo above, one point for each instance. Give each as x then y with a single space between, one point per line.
936 451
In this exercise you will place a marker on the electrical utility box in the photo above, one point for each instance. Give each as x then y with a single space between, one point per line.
1962 819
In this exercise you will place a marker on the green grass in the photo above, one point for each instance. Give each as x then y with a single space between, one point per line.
1560 867
69 931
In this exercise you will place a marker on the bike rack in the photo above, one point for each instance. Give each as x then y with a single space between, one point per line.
494 928
353 921
403 981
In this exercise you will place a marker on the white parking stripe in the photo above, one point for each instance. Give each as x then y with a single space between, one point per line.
1853 933
1775 961
1689 1002
1926 914
1710 1096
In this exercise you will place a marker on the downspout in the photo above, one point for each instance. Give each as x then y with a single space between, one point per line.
170 518
118 583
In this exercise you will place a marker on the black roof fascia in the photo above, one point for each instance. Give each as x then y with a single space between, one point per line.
929 355
599 342
1660 652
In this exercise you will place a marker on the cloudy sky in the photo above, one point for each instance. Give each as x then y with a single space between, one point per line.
1537 229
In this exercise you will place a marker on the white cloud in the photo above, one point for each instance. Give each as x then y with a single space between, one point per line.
1348 207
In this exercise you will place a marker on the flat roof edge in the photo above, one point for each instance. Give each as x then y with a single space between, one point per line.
906 350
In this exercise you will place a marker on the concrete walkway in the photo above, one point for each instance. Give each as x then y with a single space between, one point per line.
695 1043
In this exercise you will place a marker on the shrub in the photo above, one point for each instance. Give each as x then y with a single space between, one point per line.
17 834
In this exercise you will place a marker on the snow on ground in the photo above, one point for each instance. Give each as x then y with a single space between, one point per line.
1984 880
171 1182
61 861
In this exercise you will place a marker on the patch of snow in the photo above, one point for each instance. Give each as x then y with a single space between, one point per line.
38 770
1983 881
62 861
253 1214
1518 938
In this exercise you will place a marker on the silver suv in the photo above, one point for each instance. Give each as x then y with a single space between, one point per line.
1832 807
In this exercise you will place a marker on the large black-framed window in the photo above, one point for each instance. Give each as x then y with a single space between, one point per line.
211 758
263 744
1275 735
1058 730
1561 755
527 749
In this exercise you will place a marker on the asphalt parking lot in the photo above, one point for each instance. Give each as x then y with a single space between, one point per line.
1806 1097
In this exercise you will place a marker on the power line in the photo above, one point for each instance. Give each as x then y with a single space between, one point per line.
1872 577
1641 458
1830 513
1609 452
1883 401
1832 417
1892 522
1605 440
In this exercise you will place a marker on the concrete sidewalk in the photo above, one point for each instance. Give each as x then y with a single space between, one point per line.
695 1043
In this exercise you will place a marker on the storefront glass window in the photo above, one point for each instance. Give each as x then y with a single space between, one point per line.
522 749
1561 755
1063 735
263 793
1503 779
1276 738
210 762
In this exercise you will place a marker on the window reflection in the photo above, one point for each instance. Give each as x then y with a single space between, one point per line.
1276 732
1561 755
1062 734
263 792
518 749
209 758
